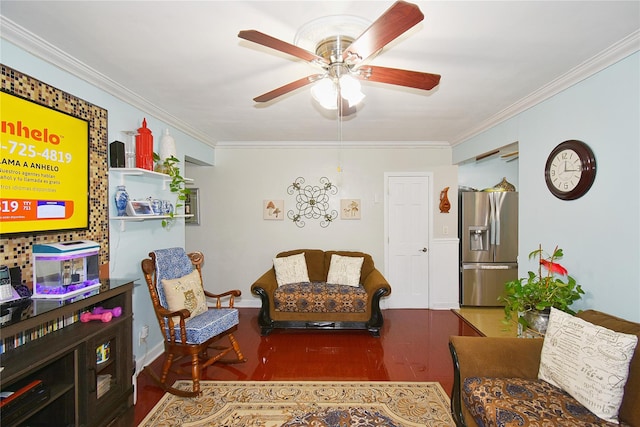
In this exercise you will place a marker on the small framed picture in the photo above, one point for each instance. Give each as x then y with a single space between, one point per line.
139 208
192 207
273 210
350 209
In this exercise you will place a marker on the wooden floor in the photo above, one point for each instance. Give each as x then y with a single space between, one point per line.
413 347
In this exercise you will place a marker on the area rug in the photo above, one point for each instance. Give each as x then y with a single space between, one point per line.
305 403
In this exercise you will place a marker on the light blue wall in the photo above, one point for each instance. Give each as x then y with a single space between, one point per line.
129 247
600 231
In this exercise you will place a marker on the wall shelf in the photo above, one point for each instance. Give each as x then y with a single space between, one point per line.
124 172
121 175
146 218
124 219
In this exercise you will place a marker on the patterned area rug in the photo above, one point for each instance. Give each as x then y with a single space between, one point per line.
305 403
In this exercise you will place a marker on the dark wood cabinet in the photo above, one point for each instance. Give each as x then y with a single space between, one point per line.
107 381
85 369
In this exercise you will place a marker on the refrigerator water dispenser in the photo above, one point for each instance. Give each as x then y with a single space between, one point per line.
478 238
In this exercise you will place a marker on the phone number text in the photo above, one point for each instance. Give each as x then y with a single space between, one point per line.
30 151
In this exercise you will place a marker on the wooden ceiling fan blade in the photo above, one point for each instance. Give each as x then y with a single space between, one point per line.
394 76
279 45
289 87
396 20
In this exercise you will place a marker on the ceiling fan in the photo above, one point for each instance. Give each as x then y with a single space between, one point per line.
341 58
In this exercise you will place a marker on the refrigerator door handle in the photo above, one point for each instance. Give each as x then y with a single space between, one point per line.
492 219
499 198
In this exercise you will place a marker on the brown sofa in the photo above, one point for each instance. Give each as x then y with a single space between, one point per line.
515 358
303 307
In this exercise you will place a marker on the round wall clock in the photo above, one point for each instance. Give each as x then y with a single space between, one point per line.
570 170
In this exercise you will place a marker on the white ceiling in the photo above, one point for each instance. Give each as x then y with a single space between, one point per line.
184 60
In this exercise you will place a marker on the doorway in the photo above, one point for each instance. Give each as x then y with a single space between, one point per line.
407 232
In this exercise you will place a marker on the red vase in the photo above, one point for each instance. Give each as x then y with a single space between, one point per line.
144 147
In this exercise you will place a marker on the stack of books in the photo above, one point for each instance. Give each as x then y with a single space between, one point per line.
104 384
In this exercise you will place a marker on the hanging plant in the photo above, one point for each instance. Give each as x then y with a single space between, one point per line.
177 185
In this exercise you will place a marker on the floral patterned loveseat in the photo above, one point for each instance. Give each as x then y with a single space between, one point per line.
316 304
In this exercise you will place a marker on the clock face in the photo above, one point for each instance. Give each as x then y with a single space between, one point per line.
565 170
570 170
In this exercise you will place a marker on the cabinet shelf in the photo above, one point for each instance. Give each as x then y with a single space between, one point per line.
101 367
56 391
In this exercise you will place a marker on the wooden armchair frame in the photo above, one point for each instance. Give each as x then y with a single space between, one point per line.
176 347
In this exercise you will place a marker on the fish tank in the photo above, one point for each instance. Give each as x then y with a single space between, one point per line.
64 269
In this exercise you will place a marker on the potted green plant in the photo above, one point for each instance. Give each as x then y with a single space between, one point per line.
533 296
178 184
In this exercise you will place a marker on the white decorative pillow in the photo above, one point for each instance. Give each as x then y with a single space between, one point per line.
185 292
589 362
291 269
345 270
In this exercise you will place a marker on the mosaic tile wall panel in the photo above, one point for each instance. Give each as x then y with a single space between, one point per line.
16 249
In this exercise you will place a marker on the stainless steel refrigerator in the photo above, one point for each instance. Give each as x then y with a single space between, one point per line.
488 231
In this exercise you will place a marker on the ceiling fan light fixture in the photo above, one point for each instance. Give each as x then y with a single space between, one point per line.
351 90
325 92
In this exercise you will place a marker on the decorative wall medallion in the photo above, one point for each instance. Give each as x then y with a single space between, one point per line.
312 202
273 210
350 209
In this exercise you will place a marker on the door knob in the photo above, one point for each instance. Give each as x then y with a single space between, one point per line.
423 250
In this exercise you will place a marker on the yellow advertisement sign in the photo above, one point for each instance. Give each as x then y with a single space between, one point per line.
44 168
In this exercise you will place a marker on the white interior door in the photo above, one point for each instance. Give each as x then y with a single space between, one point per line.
407 216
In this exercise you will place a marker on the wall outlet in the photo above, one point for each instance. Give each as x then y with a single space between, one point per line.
144 333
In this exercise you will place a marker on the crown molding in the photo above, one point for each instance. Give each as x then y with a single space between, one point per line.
44 50
616 52
333 144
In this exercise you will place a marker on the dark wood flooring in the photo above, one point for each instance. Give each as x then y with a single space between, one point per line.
413 347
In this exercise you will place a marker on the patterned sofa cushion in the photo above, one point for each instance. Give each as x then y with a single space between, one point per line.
320 297
524 402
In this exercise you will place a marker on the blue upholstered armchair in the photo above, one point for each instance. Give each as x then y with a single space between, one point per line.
189 323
